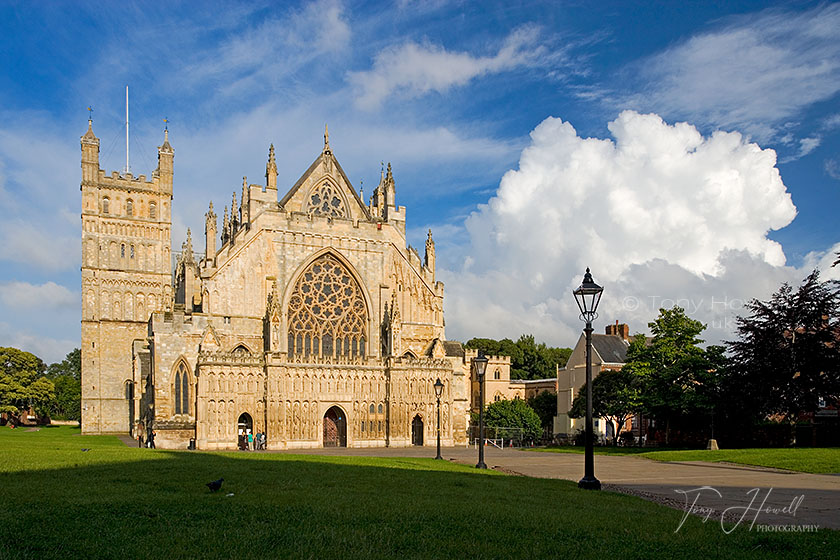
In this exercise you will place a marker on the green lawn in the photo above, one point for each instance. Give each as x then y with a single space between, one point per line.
119 502
809 460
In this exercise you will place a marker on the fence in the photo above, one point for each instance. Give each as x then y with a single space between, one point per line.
500 437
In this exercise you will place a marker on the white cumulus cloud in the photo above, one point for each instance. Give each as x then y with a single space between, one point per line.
661 213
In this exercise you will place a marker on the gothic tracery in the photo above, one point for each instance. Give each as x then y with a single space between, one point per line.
325 200
327 312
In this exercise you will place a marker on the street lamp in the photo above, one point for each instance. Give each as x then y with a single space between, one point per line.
438 392
479 364
587 296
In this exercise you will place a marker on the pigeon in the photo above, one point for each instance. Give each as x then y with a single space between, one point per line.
215 485
85 449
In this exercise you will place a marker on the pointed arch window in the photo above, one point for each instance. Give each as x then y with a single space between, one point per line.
182 389
152 210
129 207
327 312
106 205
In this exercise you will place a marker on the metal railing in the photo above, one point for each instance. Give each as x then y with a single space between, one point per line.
499 437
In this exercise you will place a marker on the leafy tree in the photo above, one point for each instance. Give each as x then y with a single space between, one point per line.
787 354
66 375
22 383
545 405
528 360
514 414
615 396
71 365
673 371
42 396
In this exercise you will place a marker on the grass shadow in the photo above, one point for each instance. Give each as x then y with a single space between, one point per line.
114 501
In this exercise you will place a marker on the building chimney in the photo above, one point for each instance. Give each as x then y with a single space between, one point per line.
619 329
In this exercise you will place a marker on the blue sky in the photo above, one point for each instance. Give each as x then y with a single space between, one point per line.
689 152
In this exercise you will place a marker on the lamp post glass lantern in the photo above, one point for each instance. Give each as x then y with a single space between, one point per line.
438 392
479 364
588 296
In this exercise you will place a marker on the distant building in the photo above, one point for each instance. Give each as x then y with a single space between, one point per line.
609 352
534 387
499 386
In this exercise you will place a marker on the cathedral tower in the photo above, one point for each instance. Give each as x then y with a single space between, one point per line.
126 223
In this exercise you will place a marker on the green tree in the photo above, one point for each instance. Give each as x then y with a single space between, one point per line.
42 396
615 397
71 365
514 414
528 360
787 354
66 375
672 368
545 405
22 383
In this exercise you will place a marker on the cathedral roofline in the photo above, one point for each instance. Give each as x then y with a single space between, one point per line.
309 172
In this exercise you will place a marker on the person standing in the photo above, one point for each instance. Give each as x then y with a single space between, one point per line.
152 435
250 440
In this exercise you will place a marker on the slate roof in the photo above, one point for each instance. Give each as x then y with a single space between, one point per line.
453 348
611 348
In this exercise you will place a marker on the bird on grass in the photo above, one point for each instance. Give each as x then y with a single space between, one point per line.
215 485
85 449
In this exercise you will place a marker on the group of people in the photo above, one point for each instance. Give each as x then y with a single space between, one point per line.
249 441
150 439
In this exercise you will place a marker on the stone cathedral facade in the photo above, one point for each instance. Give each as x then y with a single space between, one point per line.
307 318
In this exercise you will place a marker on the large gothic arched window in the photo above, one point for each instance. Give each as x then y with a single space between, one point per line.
327 312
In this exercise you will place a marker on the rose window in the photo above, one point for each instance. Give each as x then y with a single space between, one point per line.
326 201
327 312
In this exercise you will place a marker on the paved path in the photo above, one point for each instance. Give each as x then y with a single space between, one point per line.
768 496
128 440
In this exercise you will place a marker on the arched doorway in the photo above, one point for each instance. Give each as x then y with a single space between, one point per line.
244 426
335 428
417 431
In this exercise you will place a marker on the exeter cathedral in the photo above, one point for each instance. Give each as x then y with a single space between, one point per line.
307 318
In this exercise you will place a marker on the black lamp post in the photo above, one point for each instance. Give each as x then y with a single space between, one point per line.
587 296
479 364
438 392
